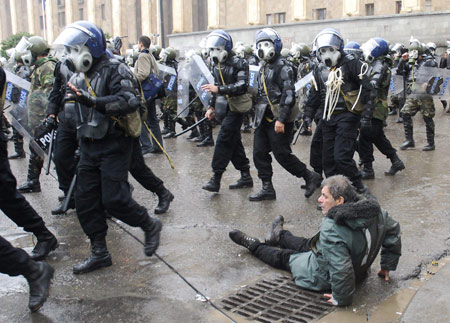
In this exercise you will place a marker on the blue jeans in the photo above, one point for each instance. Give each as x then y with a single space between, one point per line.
153 123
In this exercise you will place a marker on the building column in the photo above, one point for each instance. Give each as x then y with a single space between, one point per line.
49 22
91 11
350 8
254 12
116 17
411 6
146 17
69 11
216 14
299 10
31 18
14 22
178 11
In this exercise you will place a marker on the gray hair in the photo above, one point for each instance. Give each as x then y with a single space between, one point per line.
339 185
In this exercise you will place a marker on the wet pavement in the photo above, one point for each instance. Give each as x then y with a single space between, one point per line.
195 239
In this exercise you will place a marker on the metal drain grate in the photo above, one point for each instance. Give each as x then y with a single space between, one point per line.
277 300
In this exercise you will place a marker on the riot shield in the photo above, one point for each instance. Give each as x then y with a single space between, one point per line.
430 81
253 79
199 75
183 90
396 83
16 95
307 80
168 76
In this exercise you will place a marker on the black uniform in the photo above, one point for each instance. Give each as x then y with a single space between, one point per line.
339 133
105 159
277 77
229 142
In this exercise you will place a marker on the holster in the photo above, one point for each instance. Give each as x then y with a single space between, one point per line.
260 109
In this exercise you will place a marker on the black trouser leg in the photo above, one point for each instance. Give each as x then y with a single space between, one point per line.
229 145
64 156
141 172
289 241
277 258
261 153
13 261
18 142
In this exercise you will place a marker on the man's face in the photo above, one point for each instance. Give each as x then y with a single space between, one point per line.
141 47
326 200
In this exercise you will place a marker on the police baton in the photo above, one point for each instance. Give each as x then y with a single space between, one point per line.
191 127
298 133
50 151
69 194
179 114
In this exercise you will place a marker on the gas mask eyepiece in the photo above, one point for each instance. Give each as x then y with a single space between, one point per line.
81 58
266 50
329 56
218 54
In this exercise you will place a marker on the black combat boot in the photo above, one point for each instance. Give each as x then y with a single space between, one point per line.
165 129
209 140
312 182
429 126
32 185
408 126
152 230
243 182
393 111
397 165
242 239
171 133
360 187
18 147
367 171
202 127
273 236
98 258
214 183
165 197
39 276
194 134
267 192
46 242
59 209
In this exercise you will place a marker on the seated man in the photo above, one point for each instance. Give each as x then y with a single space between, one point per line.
353 230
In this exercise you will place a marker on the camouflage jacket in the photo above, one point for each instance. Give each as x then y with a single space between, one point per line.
42 78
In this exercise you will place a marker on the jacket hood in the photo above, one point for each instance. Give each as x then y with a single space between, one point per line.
355 214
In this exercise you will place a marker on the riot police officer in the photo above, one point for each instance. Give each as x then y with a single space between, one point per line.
104 90
231 79
275 112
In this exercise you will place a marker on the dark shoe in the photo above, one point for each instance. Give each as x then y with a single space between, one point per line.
98 258
367 172
360 187
407 144
399 120
208 141
194 134
146 151
214 183
429 147
156 151
243 182
242 239
397 165
199 138
393 112
17 155
164 202
39 278
169 135
273 236
59 209
165 131
46 244
312 182
267 193
30 186
247 129
152 230
61 198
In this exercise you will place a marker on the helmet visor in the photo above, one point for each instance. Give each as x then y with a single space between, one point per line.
71 37
216 41
22 45
328 40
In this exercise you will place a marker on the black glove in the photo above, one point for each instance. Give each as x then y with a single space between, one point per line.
50 123
366 125
85 98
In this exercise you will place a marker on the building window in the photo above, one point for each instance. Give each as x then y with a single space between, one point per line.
428 5
320 14
80 13
60 3
80 1
281 17
61 19
398 7
41 22
370 9
102 9
269 19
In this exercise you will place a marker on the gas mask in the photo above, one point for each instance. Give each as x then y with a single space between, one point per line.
81 58
266 50
413 56
27 58
329 56
163 56
218 54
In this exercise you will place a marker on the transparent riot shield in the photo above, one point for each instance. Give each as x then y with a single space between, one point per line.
305 81
396 83
430 81
183 90
168 76
253 79
199 75
16 95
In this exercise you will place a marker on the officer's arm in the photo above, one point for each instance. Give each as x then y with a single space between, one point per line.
142 67
55 96
287 100
241 84
313 100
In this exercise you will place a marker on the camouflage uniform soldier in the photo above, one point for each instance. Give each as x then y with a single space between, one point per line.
425 104
41 84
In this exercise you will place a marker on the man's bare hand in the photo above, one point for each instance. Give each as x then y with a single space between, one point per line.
405 56
330 298
279 127
383 274
210 88
210 114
